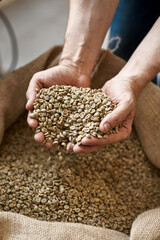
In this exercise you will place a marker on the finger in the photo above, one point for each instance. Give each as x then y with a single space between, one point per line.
115 118
33 123
69 147
85 149
31 92
122 134
39 137
49 144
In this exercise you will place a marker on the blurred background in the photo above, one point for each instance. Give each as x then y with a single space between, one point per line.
28 28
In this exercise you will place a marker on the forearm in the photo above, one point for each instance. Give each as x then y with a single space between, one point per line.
144 64
87 26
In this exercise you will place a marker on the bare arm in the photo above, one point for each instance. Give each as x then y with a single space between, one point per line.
144 64
88 23
125 88
87 26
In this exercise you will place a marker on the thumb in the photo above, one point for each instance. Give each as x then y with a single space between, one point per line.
115 118
31 94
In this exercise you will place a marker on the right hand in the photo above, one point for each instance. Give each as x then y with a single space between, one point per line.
124 92
59 75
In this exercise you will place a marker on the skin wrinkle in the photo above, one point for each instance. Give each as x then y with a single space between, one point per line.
83 31
82 45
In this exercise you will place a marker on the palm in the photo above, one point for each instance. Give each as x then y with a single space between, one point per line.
60 75
118 91
123 95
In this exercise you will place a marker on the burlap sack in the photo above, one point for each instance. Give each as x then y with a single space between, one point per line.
13 88
17 227
147 122
12 104
146 226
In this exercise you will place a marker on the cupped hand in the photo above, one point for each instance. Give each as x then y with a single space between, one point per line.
124 94
59 75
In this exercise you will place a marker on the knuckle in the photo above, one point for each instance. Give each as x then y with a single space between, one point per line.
129 100
112 119
37 76
129 130
127 134
117 120
27 94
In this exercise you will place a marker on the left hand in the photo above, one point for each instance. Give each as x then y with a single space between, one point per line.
124 93
61 75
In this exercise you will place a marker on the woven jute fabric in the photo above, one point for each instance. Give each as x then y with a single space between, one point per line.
147 122
17 227
147 226
13 88
12 103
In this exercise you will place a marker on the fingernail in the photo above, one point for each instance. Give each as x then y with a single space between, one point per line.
106 126
27 103
69 146
84 140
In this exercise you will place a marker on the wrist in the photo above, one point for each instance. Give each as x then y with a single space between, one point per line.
76 78
79 59
132 82
135 77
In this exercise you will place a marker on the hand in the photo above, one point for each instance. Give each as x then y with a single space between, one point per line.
60 75
124 93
